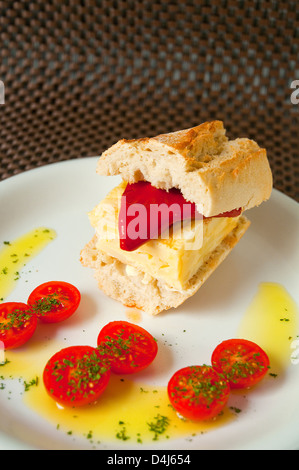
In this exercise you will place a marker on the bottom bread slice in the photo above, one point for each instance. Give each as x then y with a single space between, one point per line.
148 294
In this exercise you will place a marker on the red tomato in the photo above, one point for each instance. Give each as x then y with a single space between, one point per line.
242 362
54 301
128 347
76 376
17 324
198 392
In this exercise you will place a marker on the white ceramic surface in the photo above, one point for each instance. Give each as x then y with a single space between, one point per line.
59 196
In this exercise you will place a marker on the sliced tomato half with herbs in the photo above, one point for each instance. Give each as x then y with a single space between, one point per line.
128 347
76 376
17 324
54 301
198 392
243 362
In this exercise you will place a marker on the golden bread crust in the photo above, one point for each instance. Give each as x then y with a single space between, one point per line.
217 174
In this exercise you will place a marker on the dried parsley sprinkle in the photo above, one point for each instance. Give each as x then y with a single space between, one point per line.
46 304
15 319
122 434
197 387
4 363
159 425
235 409
240 368
84 372
27 385
119 346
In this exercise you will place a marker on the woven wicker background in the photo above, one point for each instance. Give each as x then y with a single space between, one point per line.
79 75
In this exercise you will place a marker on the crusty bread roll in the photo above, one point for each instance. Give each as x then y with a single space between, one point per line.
155 296
216 173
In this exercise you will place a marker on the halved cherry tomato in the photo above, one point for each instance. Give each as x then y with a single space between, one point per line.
54 301
198 392
128 347
17 324
242 362
76 376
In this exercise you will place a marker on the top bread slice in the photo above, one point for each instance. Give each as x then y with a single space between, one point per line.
216 173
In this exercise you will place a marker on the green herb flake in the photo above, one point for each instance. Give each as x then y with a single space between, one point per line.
27 385
159 425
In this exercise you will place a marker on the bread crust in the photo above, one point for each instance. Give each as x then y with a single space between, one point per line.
216 173
155 296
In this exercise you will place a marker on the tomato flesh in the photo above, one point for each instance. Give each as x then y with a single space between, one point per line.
54 301
243 362
198 392
128 347
76 376
17 324
175 208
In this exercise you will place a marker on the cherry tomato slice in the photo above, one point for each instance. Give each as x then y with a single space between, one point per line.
17 324
76 376
128 347
242 362
198 392
54 301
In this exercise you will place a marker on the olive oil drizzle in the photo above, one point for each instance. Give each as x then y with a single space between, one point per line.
138 413
16 254
272 321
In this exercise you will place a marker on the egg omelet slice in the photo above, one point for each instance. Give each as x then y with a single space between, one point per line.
174 257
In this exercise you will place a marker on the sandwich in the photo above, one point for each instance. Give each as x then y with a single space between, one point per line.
176 214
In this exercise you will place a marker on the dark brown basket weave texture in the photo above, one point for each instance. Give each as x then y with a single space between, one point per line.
80 75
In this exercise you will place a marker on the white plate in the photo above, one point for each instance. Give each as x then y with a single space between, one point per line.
59 196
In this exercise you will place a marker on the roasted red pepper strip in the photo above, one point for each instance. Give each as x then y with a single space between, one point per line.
146 212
